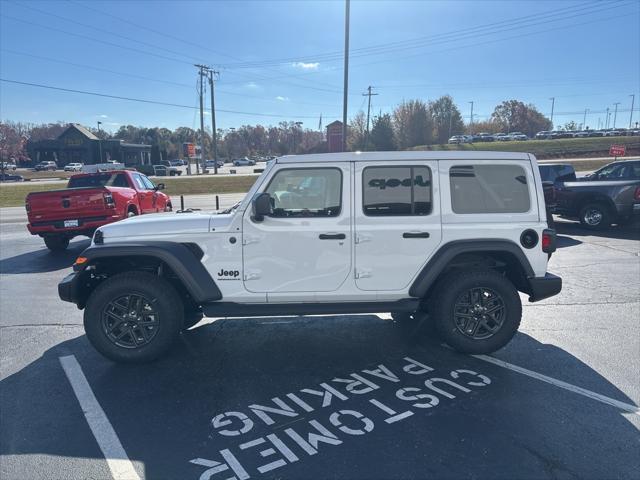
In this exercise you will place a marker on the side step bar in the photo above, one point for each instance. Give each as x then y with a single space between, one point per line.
230 309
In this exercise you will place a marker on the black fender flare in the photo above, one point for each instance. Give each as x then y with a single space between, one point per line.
178 256
447 252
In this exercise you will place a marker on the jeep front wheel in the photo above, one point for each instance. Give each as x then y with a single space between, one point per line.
133 317
476 312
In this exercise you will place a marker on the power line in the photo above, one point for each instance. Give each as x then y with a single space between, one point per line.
155 102
473 32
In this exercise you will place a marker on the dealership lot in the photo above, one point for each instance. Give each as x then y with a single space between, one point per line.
337 396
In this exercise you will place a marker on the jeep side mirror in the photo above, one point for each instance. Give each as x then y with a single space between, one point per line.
160 186
261 205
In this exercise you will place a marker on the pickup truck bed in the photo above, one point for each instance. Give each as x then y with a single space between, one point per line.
90 201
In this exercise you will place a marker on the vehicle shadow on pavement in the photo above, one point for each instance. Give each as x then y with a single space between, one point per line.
514 427
620 232
43 260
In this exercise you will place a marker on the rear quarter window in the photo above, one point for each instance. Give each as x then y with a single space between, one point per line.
489 189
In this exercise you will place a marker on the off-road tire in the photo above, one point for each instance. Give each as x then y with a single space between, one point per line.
591 212
452 288
162 298
56 243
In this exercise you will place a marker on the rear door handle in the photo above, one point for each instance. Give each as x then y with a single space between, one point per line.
332 236
415 235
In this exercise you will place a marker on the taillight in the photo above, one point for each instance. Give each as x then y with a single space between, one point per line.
636 195
27 206
109 202
548 240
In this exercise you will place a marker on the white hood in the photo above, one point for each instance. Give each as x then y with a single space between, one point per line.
159 224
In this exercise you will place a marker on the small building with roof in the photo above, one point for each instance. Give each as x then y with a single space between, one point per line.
79 145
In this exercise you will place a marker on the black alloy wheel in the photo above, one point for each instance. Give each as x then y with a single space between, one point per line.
479 313
131 321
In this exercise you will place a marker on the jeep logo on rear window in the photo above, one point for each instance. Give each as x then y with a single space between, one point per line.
228 274
382 183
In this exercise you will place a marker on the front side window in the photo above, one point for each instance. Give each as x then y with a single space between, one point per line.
396 191
489 189
139 182
306 192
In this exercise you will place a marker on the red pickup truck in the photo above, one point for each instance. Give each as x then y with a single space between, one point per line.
90 201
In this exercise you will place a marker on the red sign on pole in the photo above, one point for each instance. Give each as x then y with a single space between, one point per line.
189 150
617 151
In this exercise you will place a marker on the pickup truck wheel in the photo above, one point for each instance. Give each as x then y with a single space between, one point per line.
131 213
476 312
596 216
133 317
57 243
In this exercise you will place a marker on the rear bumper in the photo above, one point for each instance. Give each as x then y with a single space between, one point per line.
87 224
544 287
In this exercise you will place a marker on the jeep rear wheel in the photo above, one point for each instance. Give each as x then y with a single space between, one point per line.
133 317
476 312
56 243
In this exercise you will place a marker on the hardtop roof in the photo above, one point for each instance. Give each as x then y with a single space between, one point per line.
401 156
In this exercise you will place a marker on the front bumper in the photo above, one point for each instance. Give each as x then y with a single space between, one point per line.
68 288
544 287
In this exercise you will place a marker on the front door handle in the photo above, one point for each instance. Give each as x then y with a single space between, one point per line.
332 236
415 235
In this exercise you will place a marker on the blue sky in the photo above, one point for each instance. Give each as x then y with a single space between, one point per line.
283 60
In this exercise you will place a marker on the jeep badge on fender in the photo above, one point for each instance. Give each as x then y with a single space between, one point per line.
445 237
228 274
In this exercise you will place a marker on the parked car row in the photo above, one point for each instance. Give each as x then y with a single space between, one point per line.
555 134
488 137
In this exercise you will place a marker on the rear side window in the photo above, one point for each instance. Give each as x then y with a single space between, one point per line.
396 191
489 189
99 180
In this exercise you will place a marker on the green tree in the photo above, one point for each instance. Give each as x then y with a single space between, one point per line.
515 116
382 138
412 124
447 120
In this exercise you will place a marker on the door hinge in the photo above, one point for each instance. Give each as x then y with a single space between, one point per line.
361 238
248 240
363 273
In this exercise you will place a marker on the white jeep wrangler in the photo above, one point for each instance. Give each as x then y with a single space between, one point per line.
451 235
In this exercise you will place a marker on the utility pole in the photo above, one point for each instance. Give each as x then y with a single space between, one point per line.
99 143
606 126
553 103
368 94
201 94
615 115
584 120
345 88
214 133
471 118
633 98
599 123
450 118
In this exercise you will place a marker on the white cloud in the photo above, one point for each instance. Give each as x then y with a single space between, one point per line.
307 66
282 99
252 85
104 116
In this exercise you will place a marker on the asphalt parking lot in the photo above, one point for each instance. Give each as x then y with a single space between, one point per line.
326 397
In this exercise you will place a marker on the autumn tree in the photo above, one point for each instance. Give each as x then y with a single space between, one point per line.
446 117
515 116
412 124
382 138
357 131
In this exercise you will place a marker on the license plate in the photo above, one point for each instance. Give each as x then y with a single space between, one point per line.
70 223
